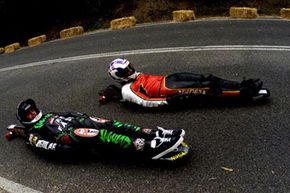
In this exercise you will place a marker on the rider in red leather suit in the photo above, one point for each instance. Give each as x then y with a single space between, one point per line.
153 91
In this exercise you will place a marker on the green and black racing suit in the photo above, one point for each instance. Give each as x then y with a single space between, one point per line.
56 132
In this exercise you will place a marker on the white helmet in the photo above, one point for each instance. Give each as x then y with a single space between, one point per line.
122 70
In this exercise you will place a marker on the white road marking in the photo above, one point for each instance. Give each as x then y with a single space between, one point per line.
12 187
152 51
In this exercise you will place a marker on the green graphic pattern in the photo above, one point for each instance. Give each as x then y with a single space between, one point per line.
119 124
110 137
41 122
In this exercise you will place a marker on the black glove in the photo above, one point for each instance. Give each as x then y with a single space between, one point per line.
111 93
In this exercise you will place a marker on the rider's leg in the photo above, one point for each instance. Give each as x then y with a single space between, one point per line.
184 80
217 86
155 148
192 80
133 130
249 87
129 137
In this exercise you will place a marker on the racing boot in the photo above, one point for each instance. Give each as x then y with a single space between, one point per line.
161 146
161 132
250 87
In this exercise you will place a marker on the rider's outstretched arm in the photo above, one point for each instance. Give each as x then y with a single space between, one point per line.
37 141
110 93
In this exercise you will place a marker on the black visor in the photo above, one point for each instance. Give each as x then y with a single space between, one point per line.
124 73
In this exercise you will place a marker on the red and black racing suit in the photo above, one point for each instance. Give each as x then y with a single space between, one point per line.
152 91
55 131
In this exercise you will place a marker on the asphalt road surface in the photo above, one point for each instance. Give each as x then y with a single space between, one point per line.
235 147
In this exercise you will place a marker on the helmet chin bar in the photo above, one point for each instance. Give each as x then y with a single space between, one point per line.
134 75
129 78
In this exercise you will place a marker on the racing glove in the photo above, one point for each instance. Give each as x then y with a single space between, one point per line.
111 93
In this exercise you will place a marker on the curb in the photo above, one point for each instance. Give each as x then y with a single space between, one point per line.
11 47
122 23
128 22
243 12
36 40
285 13
183 15
71 32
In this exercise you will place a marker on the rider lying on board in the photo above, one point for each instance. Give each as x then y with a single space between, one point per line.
154 91
66 130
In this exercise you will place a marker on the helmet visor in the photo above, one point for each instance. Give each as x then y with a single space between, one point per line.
30 114
124 73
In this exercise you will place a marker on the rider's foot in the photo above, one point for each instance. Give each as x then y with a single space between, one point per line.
161 132
162 146
251 87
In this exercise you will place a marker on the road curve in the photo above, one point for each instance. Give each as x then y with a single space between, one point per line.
235 148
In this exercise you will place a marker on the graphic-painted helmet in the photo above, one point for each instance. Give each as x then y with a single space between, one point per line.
122 70
24 108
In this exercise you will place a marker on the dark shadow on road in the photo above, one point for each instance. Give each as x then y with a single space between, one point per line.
202 103
109 156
